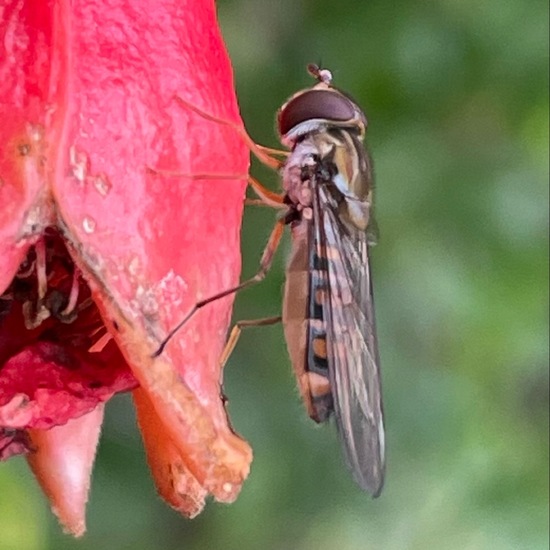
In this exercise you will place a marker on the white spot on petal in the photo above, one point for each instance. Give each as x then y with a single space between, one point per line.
88 224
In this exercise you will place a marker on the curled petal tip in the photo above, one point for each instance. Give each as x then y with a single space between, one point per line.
62 461
174 482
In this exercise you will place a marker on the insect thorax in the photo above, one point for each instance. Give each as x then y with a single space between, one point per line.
334 158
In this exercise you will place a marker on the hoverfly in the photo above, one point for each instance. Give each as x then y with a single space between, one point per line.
328 308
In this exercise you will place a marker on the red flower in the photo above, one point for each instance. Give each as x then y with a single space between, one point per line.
102 251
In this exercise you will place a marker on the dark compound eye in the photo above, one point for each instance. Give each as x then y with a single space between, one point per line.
329 105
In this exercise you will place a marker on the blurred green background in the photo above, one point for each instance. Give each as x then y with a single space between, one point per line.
456 93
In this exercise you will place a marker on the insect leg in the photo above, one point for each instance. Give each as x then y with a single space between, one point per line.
235 334
267 197
265 265
254 202
176 174
265 155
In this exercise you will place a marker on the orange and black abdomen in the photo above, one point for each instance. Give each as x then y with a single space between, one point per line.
304 323
317 359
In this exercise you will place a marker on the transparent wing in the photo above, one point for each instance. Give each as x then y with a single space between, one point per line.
351 341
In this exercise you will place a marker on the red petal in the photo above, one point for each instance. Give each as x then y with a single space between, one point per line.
175 483
62 461
25 31
87 104
147 243
46 385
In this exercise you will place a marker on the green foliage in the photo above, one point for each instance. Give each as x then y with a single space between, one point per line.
457 99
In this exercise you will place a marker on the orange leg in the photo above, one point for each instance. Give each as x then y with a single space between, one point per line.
213 176
236 333
265 155
265 265
267 197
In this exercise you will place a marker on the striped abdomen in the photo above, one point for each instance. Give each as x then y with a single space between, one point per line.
304 323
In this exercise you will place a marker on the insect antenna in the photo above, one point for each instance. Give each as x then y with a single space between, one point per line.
322 75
